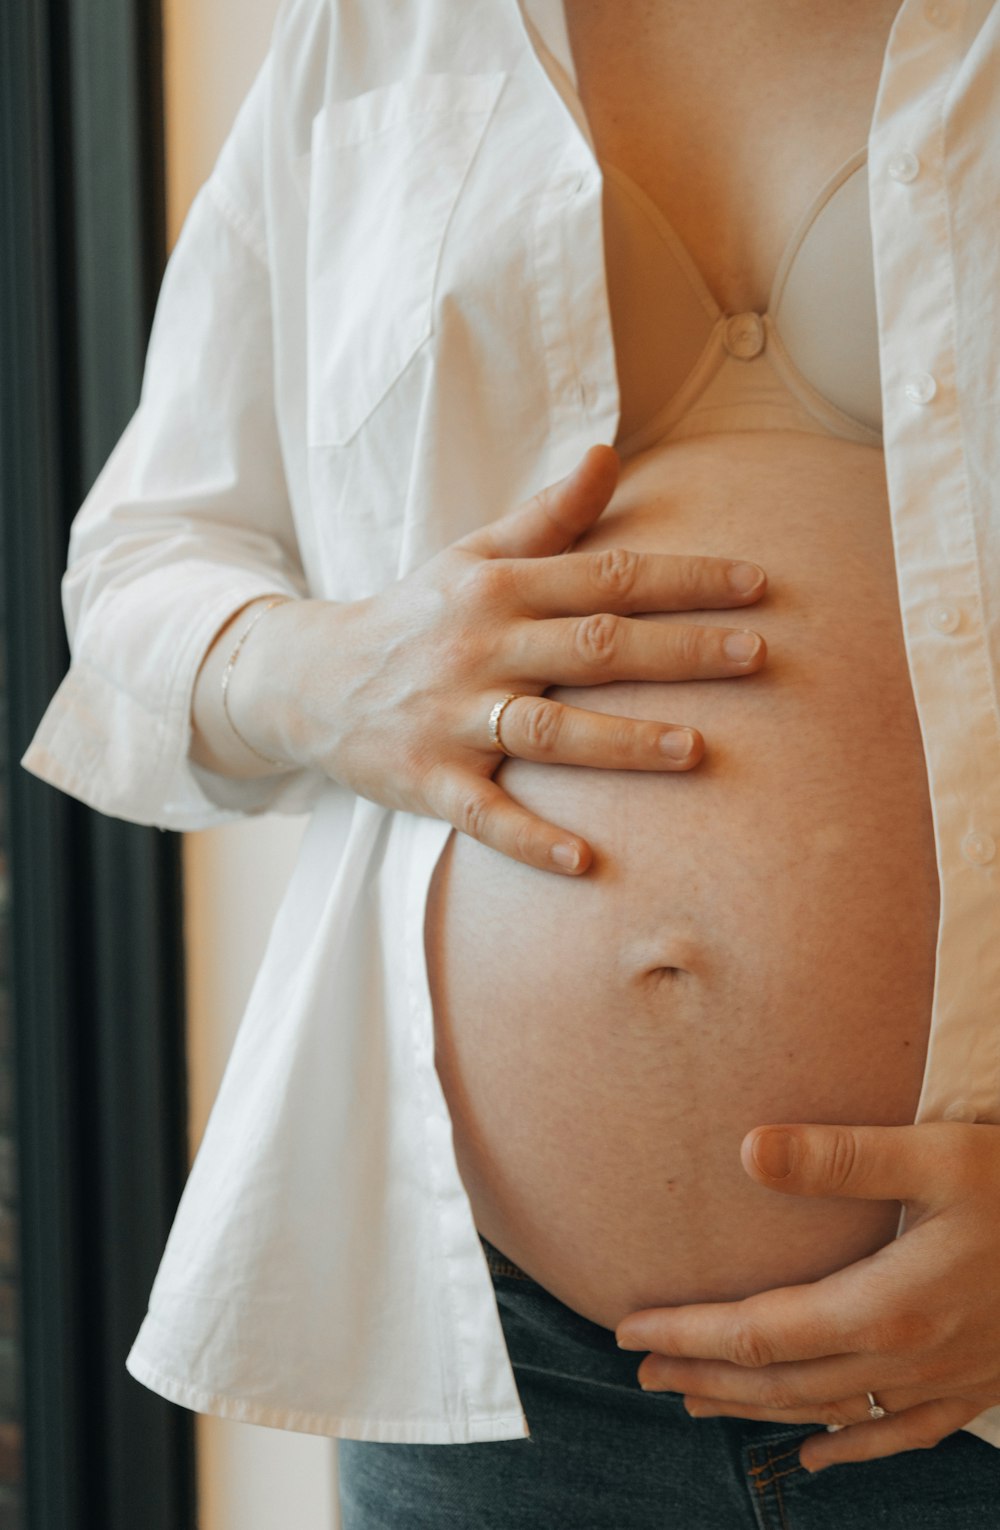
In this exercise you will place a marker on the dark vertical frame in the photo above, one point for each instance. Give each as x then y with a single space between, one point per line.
96 911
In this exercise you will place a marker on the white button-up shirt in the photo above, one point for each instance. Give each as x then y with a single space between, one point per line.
385 322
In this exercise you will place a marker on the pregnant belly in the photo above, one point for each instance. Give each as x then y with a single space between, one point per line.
754 941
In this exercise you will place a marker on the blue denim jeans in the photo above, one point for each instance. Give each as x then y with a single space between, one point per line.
604 1455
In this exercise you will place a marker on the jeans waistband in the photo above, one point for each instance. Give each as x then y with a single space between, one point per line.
499 1263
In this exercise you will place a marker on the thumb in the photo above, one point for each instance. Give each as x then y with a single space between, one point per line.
922 1164
553 518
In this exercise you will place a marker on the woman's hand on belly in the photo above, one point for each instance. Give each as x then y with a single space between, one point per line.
909 1323
395 698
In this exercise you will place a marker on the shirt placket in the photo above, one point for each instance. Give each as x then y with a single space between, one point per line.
570 277
936 552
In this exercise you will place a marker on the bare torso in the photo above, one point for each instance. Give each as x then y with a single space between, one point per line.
755 939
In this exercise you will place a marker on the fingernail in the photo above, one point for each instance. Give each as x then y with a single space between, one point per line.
567 856
744 577
677 743
772 1153
741 645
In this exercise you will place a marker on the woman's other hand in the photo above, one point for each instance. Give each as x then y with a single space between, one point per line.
913 1322
391 695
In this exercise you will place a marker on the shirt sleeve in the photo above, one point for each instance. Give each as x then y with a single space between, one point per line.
187 521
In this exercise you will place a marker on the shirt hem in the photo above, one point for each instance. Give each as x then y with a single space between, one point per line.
399 1431
985 1426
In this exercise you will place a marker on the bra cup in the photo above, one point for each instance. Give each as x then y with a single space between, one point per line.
825 310
816 362
657 343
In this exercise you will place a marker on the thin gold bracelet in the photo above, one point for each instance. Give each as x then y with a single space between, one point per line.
277 601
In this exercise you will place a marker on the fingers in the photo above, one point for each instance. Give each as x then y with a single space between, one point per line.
590 650
789 1323
540 729
935 1161
833 1416
620 579
851 1435
918 1428
553 518
483 810
536 728
837 1380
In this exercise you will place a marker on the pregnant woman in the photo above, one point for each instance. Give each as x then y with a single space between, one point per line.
617 1102
754 940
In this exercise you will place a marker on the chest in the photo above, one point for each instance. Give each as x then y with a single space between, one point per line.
730 126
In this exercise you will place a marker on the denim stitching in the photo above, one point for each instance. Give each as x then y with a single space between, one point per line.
762 1484
772 1460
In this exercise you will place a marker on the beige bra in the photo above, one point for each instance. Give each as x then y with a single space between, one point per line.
809 362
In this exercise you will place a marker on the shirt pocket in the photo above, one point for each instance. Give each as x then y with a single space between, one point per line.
386 170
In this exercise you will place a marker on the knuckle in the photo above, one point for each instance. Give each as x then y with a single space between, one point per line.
689 579
924 1438
843 1157
485 580
598 637
615 570
689 646
840 1413
541 724
474 813
525 842
545 499
621 738
946 1334
414 766
909 1332
548 501
440 791
899 1331
747 1346
778 1395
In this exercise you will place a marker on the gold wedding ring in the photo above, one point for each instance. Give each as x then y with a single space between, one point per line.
495 722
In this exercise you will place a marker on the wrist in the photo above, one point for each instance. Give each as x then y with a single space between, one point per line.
252 614
265 700
224 730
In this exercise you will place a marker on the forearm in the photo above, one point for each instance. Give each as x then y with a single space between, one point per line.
254 690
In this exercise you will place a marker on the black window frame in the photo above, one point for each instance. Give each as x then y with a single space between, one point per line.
96 913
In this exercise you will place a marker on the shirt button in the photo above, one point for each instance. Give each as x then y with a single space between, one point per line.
960 1110
943 618
979 848
920 387
904 166
941 13
744 335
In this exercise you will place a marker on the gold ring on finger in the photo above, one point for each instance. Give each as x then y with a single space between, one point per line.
495 716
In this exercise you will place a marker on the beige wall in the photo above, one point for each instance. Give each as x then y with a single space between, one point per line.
250 1478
